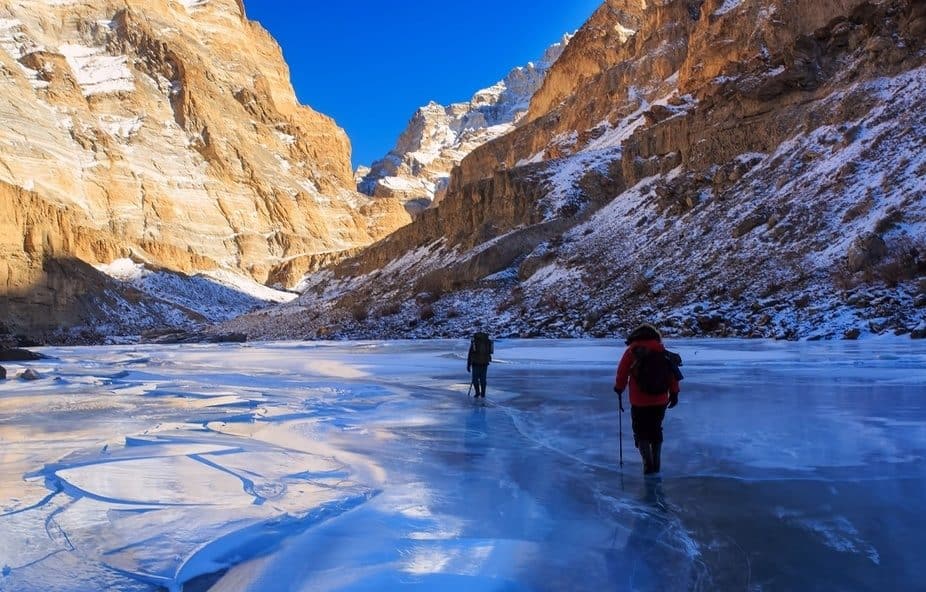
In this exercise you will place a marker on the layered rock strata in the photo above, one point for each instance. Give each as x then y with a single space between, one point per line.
166 131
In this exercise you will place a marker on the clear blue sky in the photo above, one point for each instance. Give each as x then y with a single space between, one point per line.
370 64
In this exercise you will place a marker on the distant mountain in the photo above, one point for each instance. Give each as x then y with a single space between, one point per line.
438 137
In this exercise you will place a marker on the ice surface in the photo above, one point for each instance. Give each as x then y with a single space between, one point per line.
363 466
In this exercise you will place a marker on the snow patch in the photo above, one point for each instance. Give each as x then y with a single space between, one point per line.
248 286
97 73
287 139
401 184
124 270
17 44
727 6
624 33
192 5
122 128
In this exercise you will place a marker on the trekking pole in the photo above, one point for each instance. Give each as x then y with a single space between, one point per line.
620 422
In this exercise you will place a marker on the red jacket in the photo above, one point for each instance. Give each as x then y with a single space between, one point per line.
637 397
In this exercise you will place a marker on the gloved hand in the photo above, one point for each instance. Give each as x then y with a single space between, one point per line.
620 398
469 369
673 400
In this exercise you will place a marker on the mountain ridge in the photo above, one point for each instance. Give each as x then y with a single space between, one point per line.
768 186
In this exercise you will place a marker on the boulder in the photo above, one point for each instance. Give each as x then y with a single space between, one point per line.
752 221
227 338
866 251
710 323
30 374
657 113
852 334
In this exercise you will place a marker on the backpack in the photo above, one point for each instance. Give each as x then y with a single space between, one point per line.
652 370
482 348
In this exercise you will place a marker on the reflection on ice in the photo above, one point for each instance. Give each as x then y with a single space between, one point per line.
364 467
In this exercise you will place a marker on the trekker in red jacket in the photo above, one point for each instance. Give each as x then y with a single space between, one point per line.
653 379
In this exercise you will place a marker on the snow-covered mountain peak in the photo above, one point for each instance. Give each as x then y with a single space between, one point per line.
437 137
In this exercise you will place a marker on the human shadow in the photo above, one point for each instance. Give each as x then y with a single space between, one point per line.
659 553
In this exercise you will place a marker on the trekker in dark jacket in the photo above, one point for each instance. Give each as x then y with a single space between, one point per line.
478 360
653 378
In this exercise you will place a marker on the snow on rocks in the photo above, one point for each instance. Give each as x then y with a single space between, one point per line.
192 5
29 374
97 73
563 176
17 43
14 40
439 137
215 295
248 286
757 244
122 128
727 6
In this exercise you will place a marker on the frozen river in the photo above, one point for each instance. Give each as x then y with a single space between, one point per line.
316 467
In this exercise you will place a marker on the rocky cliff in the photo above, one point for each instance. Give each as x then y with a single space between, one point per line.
438 137
719 167
166 131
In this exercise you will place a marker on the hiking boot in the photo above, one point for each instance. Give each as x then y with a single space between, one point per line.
657 457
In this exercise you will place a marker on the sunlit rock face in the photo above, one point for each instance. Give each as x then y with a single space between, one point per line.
167 131
417 170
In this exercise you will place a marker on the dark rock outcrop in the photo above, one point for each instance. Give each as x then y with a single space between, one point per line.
19 355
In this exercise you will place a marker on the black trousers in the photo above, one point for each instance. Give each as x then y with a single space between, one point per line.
479 378
647 423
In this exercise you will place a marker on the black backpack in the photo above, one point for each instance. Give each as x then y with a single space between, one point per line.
482 348
652 370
